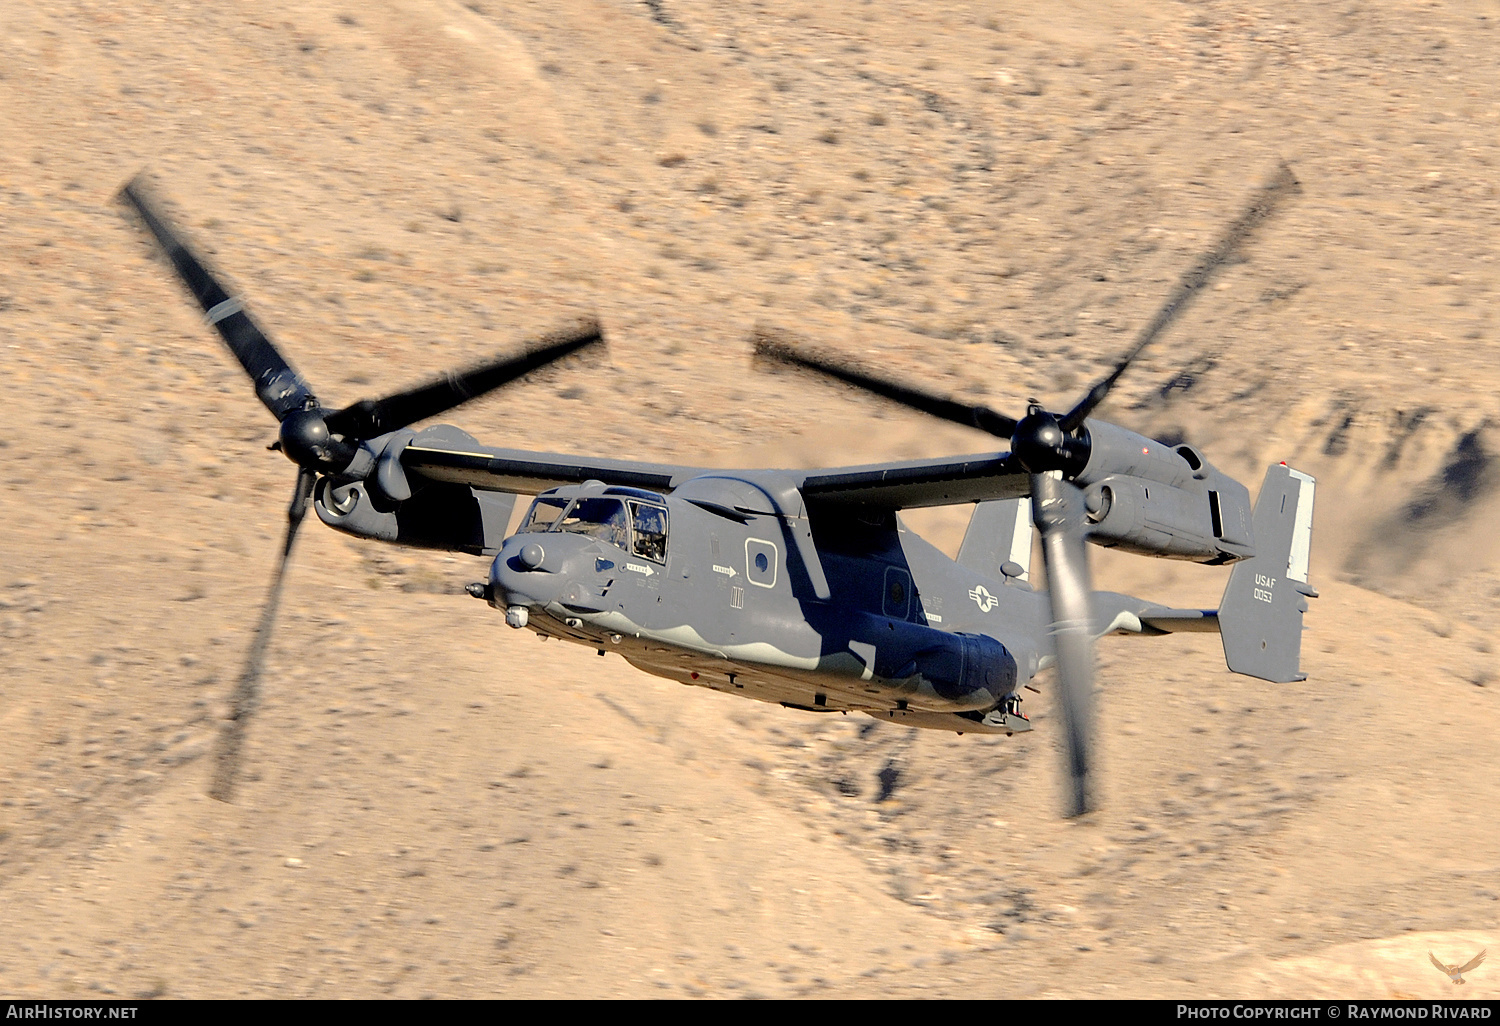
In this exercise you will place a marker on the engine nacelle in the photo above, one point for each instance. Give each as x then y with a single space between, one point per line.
1159 500
1116 450
1197 523
452 517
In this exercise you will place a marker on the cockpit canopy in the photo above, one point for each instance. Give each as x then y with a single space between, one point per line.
634 525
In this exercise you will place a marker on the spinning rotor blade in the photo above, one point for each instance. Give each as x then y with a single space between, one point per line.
1055 450
779 349
319 442
1058 511
278 386
247 692
1043 440
310 437
1260 208
371 417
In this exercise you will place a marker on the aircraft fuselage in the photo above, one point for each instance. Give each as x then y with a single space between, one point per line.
711 586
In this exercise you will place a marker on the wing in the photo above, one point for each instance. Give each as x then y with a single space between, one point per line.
1473 963
451 457
1440 966
905 484
527 473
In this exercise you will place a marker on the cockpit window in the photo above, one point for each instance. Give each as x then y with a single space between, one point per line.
543 514
603 519
650 531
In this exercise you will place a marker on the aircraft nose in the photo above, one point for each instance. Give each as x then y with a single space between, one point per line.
514 581
535 570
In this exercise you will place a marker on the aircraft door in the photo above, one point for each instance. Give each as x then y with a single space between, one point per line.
647 563
649 531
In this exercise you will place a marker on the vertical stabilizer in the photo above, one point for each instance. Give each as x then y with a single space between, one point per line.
999 533
1260 616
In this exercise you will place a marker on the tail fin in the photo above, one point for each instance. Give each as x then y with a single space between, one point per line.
1260 616
999 533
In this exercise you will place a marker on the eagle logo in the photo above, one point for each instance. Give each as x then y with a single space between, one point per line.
1456 972
983 599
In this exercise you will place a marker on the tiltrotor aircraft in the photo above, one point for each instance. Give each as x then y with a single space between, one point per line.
802 587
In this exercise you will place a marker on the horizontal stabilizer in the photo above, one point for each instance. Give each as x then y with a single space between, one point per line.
1184 621
1123 614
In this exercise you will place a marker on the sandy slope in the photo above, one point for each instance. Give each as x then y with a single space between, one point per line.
987 200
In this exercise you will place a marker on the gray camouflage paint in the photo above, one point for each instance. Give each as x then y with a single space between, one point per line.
852 612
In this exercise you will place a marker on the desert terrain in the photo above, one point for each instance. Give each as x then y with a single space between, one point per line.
988 199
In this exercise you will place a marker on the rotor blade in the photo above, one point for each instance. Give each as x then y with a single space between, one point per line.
1058 511
247 692
371 417
1260 208
778 348
276 383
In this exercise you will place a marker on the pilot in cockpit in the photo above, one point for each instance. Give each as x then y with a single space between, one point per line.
650 531
603 519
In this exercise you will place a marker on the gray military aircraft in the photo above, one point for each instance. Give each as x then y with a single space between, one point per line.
802 587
